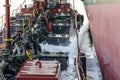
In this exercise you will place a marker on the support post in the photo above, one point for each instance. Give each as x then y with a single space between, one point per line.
7 24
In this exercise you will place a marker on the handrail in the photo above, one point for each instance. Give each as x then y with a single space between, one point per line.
23 27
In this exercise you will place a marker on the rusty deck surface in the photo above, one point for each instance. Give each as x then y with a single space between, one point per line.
105 28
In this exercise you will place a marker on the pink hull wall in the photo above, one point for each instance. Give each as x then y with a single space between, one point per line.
105 28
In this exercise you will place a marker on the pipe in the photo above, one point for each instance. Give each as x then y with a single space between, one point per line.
23 27
49 25
7 18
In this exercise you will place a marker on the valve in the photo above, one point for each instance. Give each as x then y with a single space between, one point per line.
39 64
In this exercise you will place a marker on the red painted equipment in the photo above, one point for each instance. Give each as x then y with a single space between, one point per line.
27 10
46 70
64 8
7 18
49 25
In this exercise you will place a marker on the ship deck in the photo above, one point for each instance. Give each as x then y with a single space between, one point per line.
93 70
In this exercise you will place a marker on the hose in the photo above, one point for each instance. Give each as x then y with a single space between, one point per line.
28 55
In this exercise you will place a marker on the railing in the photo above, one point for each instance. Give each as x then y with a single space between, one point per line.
79 68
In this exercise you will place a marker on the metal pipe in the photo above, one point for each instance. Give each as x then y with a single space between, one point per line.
7 18
23 27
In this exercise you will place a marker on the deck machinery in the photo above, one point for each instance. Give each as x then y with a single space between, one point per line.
46 21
